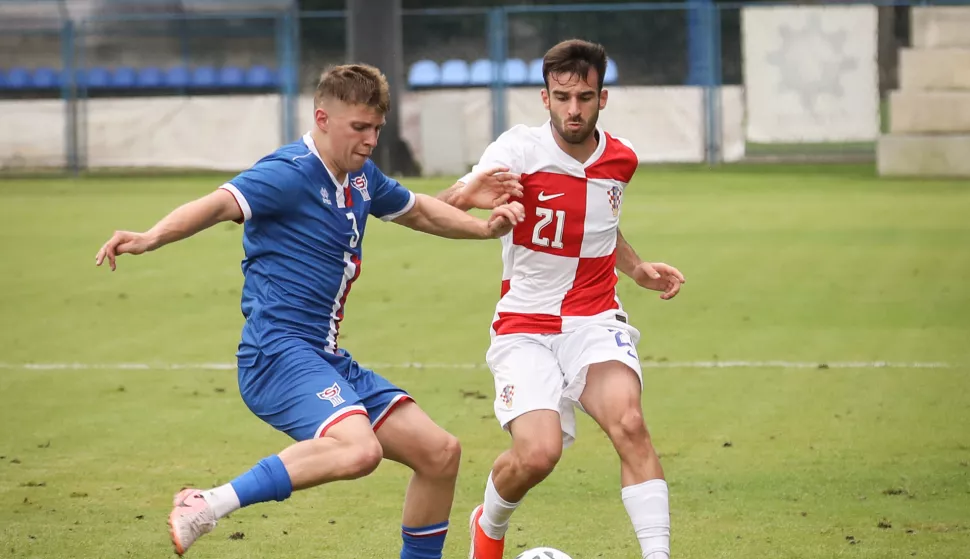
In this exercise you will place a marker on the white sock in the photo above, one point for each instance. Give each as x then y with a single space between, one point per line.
649 509
495 513
222 499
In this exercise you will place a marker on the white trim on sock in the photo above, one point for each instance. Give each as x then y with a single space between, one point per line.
222 499
648 505
495 512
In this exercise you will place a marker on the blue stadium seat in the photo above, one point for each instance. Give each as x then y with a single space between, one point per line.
454 72
150 77
611 72
204 76
177 77
480 72
515 71
232 77
18 78
124 77
424 73
260 77
535 73
46 78
96 77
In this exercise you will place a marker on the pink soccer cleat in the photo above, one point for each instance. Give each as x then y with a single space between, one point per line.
191 518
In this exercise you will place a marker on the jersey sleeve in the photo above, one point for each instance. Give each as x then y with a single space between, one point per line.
266 189
390 199
503 152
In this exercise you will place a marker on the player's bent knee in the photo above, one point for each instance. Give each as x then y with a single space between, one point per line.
443 461
450 457
365 456
539 460
630 429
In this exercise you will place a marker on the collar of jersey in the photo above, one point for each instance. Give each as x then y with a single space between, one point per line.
308 140
565 157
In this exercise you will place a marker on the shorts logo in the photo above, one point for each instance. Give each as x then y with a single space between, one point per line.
332 395
506 396
615 195
360 183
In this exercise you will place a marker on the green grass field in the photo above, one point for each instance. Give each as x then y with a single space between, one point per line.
807 265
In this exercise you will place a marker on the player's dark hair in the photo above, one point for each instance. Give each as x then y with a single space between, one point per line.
575 56
354 84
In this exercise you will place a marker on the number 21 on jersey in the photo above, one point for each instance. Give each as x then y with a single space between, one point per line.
553 237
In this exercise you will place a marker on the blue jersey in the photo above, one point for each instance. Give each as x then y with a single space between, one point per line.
302 240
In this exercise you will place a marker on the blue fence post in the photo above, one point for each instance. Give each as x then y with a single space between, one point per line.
698 65
497 50
287 55
710 25
291 84
69 95
79 79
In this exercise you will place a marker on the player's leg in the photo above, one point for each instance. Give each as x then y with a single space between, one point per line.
608 363
528 383
408 436
300 394
536 449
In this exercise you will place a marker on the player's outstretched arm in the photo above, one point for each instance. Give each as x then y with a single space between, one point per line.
484 189
430 215
185 221
656 276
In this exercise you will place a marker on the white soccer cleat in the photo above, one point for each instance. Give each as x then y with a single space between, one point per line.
190 519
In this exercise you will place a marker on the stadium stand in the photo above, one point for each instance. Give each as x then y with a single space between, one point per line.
460 73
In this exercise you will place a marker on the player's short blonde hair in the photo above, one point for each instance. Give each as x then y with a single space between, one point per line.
354 84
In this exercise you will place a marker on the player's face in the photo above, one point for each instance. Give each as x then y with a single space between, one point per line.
574 105
353 131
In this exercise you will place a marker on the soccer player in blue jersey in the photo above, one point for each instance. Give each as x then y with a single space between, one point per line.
305 208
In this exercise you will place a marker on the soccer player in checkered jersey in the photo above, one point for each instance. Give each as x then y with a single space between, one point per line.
305 208
560 338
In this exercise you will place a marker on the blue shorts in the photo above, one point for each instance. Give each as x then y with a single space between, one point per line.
303 392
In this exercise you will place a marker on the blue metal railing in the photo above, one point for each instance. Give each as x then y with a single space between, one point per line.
704 50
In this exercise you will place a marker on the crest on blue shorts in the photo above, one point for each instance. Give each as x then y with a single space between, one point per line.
332 395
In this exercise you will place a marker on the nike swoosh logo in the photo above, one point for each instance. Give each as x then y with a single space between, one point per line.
543 196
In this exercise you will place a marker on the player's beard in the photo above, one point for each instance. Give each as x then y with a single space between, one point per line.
576 136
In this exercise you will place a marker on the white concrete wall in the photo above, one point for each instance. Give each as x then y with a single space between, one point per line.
924 156
929 112
940 26
448 129
929 69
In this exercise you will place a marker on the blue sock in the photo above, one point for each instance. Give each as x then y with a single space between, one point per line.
425 542
267 481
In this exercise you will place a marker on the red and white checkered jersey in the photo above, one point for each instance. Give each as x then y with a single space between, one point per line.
559 264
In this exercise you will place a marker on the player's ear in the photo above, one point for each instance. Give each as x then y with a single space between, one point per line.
545 98
322 119
603 96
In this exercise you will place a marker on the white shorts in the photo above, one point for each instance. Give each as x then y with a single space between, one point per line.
548 371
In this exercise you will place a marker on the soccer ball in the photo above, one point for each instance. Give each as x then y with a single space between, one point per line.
542 553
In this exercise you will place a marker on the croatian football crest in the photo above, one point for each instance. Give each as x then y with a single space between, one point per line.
360 183
615 195
332 395
506 396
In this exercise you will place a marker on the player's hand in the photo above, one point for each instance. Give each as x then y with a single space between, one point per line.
659 277
490 188
504 218
122 242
